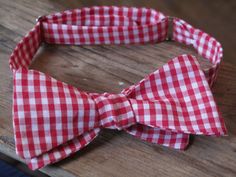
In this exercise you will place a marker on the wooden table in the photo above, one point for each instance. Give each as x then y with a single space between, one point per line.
112 68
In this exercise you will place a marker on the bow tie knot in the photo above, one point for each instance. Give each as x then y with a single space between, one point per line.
114 111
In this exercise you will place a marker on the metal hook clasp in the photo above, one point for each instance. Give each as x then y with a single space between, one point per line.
39 18
170 28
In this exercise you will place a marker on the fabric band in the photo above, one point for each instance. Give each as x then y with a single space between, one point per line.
114 25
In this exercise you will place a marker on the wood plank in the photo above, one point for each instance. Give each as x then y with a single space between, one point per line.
112 68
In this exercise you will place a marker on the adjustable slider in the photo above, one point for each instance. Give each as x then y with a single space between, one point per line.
40 18
170 28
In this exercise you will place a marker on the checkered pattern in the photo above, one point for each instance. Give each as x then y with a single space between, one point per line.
179 100
114 110
105 25
53 120
26 49
205 45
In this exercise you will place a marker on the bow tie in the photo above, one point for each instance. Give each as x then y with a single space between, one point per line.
53 120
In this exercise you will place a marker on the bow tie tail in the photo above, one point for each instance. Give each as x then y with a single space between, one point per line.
177 117
60 152
159 136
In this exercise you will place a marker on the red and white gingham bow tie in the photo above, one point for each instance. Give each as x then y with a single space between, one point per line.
53 120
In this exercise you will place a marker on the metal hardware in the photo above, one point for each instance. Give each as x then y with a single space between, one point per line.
39 18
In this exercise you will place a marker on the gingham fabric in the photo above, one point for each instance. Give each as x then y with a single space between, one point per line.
52 119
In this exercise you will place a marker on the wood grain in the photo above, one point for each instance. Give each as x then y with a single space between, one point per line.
110 68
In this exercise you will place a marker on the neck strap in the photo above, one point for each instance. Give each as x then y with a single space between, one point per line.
114 25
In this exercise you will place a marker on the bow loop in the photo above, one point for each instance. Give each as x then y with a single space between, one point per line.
177 97
48 113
